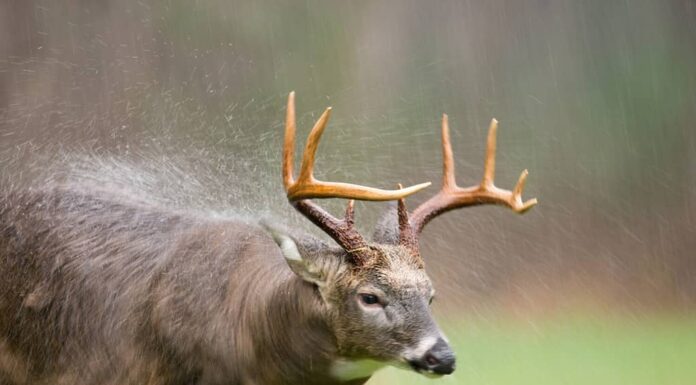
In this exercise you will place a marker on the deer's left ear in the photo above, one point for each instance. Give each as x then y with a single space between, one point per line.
305 268
307 264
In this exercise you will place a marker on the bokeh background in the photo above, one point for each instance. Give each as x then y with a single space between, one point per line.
184 100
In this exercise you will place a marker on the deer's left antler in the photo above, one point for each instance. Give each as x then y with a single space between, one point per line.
453 197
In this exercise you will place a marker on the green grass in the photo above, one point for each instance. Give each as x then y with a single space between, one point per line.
573 351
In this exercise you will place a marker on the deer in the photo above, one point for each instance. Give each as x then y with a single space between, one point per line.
97 287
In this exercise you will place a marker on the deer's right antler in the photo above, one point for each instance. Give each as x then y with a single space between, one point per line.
307 187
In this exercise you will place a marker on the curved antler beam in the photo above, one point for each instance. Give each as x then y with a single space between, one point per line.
306 186
453 197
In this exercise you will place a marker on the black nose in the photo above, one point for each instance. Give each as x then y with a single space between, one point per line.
439 359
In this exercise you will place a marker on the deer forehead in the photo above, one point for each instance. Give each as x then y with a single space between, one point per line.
395 269
395 257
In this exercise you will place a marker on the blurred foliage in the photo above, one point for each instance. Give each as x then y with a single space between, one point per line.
571 351
596 98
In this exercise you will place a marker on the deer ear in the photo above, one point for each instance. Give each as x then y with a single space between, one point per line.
387 229
306 268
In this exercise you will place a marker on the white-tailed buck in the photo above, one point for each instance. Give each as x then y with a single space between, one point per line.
101 288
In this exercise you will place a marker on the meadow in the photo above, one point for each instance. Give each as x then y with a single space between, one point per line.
579 350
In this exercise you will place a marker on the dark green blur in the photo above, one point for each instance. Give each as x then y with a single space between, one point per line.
596 98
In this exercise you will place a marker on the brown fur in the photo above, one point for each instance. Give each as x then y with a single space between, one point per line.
102 288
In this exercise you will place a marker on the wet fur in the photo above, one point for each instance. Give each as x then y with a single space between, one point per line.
98 287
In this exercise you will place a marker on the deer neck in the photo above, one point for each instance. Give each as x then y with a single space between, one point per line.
292 335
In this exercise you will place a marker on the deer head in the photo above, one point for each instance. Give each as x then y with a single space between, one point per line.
377 293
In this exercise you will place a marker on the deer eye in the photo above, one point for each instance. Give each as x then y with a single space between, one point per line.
369 299
430 302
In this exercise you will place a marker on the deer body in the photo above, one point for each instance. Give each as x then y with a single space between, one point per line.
98 287
100 290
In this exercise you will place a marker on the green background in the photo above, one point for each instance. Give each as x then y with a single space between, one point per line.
595 285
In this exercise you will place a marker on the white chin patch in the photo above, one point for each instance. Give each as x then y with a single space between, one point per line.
346 370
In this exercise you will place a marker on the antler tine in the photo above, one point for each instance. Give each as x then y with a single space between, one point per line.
406 236
307 187
511 199
489 163
448 180
289 142
522 207
349 216
452 196
309 154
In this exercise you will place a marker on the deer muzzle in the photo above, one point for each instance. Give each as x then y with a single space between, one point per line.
435 359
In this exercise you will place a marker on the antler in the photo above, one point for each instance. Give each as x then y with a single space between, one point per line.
307 187
453 197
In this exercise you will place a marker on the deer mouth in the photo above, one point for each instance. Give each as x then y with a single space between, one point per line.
438 360
427 372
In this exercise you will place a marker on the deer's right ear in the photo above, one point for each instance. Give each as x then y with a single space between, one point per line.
305 268
387 229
